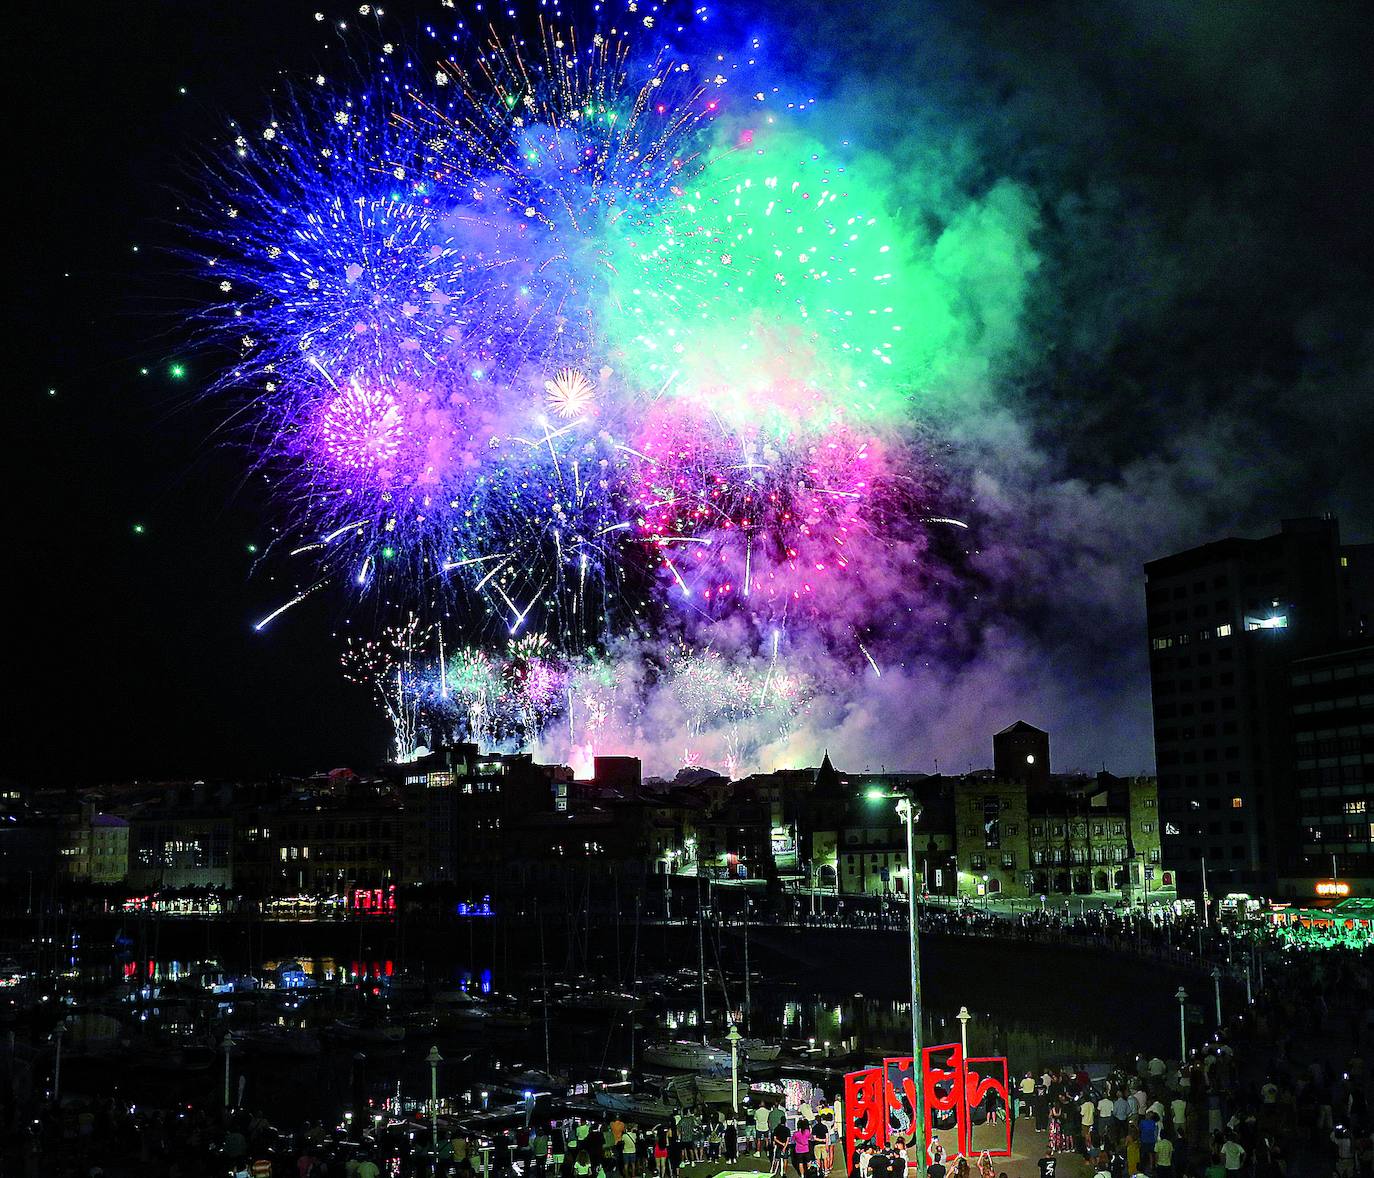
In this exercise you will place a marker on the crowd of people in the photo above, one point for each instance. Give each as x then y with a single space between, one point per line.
1282 1091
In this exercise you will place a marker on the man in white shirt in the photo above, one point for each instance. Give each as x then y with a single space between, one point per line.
1232 1154
1104 1121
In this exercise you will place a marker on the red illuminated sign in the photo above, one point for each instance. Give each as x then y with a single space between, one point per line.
879 1101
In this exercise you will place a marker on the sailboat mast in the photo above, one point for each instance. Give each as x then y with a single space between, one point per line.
701 958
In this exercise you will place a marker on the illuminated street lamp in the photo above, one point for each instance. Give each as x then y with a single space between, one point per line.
733 1037
434 1059
228 1045
1182 997
963 1016
1216 985
58 1032
908 807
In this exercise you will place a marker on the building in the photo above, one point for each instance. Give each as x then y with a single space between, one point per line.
320 843
852 835
1021 752
992 834
1072 836
168 849
94 847
458 805
1225 621
1331 718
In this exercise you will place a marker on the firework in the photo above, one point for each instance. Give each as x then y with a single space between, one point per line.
422 273
570 393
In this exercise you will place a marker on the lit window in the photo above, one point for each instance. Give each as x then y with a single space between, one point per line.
1237 803
1271 622
1355 807
1161 643
1224 630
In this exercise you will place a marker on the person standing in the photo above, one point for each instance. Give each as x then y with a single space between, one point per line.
761 1129
1059 1139
801 1148
1164 1158
1149 1134
660 1140
1104 1122
1087 1112
777 1156
1232 1155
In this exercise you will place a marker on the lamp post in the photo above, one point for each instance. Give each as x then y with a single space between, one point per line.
58 1032
1216 985
1182 997
434 1059
228 1045
963 1016
912 814
733 1037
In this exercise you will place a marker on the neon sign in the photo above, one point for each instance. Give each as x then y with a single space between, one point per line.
1332 887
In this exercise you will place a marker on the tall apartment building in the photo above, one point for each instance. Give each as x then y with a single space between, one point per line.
1331 709
1225 621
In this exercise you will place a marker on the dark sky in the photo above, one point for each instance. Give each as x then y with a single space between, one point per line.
1195 356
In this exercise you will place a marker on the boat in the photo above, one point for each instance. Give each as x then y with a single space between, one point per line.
759 1050
237 984
598 1002
714 1089
354 1031
686 1056
651 1103
508 1016
460 1004
278 1041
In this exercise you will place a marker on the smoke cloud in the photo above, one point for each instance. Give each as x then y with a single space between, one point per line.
1151 233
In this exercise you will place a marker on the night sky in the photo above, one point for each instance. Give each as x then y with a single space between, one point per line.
1190 355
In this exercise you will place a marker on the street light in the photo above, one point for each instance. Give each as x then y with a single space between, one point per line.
912 815
58 1032
1216 984
1182 997
434 1059
963 1016
228 1045
733 1037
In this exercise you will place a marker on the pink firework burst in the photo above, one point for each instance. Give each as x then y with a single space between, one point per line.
736 518
361 429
